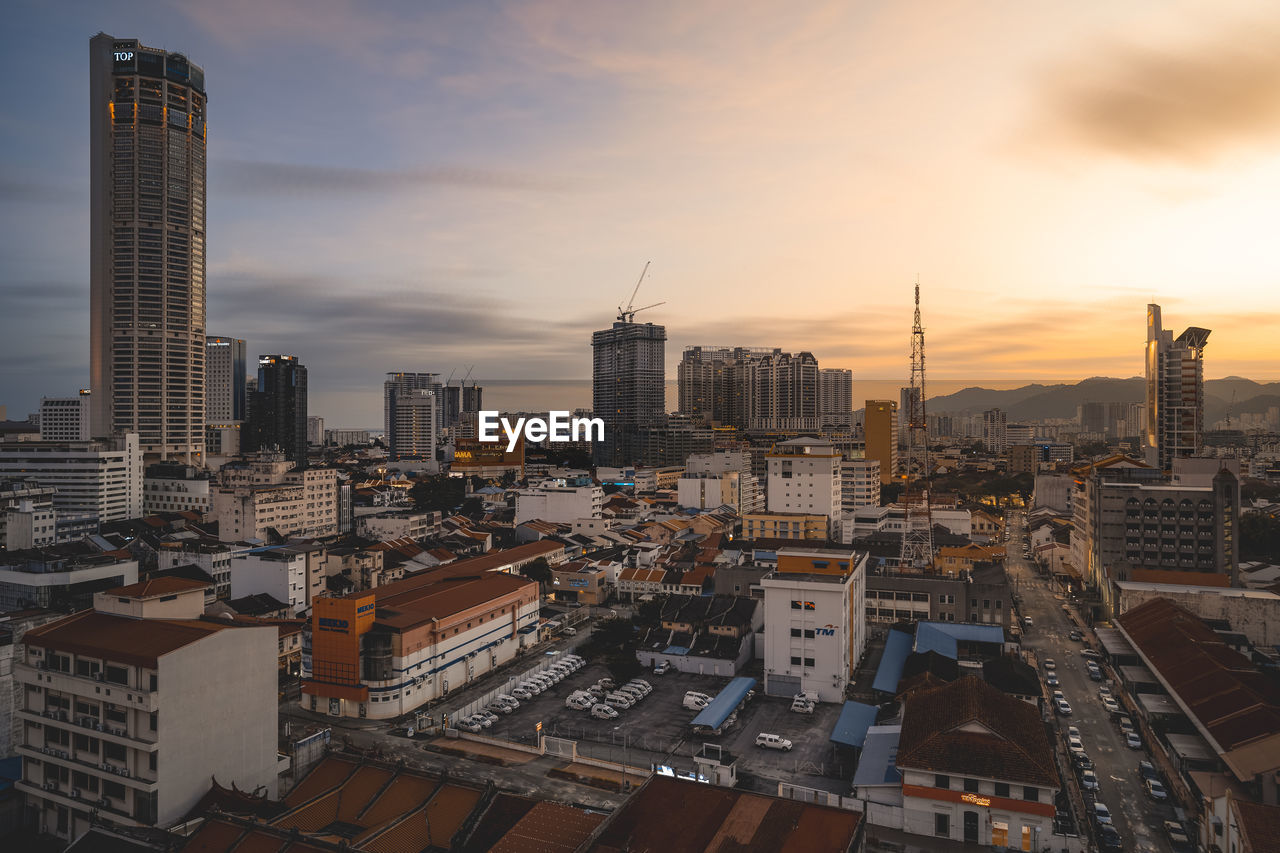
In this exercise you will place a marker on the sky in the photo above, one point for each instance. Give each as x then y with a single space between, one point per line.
432 186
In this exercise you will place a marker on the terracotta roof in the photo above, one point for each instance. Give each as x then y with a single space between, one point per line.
140 642
431 595
1259 826
674 816
1229 696
549 828
970 727
156 587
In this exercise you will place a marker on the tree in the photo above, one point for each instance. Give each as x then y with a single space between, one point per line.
537 570
438 493
623 666
472 507
1260 537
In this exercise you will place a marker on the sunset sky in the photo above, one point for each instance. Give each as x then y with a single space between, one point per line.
427 186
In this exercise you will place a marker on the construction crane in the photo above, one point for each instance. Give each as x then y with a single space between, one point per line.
627 315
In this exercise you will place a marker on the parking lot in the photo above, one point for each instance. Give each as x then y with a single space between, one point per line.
657 729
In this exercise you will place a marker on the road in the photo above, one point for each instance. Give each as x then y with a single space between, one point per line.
1137 818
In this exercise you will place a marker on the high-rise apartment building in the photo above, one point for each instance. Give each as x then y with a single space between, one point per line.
1175 392
278 409
413 424
995 436
147 246
458 400
880 431
225 363
805 478
315 430
404 383
65 418
628 386
1111 420
760 388
835 396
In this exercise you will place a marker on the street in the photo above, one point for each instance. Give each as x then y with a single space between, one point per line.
1137 818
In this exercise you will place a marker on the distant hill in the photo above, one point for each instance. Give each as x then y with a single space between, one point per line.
1036 401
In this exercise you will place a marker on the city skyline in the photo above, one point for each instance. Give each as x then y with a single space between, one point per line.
828 156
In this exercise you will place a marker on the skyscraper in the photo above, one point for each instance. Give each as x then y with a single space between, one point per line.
995 435
759 388
628 380
835 396
278 409
225 364
1175 392
147 246
413 421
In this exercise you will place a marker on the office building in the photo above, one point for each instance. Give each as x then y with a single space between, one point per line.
880 432
278 410
132 707
315 431
1175 392
1112 420
225 367
65 418
381 654
60 577
413 424
147 247
27 516
835 396
255 497
804 477
459 400
722 462
995 437
815 630
102 476
628 386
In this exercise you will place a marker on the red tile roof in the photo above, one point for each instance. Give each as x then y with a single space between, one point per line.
969 727
157 587
549 828
140 642
1229 696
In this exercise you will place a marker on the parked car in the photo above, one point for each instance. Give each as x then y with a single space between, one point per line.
1026 622
1132 740
693 703
468 725
1101 814
1109 838
662 667
570 632
696 695
1125 724
1050 665
1111 705
631 690
1104 691
1062 707
769 741
487 715
1090 654
607 683
1095 673
1073 732
603 712
1088 780
508 700
522 692
1082 761
802 706
1177 835
1051 680
1156 791
1147 770
640 682
1058 694
1075 744
1076 635
499 707
619 700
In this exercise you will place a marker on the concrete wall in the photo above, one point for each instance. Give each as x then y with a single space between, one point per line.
217 717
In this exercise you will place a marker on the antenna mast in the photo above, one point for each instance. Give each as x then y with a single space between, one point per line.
917 534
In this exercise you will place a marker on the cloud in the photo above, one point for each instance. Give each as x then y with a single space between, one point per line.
19 190
272 179
1188 103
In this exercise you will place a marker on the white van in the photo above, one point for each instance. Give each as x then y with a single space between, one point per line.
695 703
620 701
773 742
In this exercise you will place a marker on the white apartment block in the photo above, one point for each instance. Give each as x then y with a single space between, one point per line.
214 559
560 501
171 487
804 477
709 491
266 493
65 418
315 430
412 418
815 630
129 709
398 524
344 437
750 495
288 574
101 476
859 484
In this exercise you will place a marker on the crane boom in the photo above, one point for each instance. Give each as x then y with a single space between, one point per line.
626 314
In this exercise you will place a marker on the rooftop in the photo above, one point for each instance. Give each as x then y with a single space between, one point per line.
433 594
969 727
140 642
156 587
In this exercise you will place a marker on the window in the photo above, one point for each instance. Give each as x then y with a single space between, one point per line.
942 825
155 682
941 781
153 760
808 633
971 785
1030 794
986 604
795 661
114 751
117 675
155 719
795 632
999 604
808 662
1002 789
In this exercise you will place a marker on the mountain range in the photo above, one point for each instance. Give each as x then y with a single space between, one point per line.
1036 402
